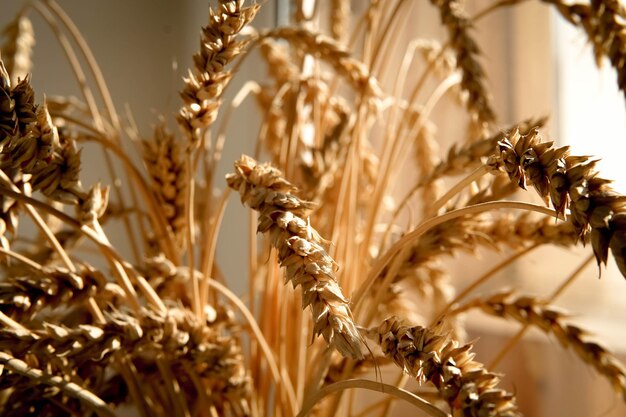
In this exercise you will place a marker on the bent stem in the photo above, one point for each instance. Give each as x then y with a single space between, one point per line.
372 386
412 236
207 258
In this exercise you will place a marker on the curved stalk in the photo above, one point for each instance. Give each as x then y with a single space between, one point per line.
412 236
457 188
373 386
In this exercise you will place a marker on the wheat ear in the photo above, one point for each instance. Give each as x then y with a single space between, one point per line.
604 24
596 210
530 310
469 389
467 51
219 46
18 47
22 297
300 250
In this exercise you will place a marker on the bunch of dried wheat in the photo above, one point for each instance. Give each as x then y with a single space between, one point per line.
161 332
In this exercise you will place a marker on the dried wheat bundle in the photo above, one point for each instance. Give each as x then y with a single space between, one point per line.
87 328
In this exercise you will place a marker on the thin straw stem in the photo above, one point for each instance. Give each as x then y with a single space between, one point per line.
88 95
412 236
12 324
373 386
19 257
482 279
189 201
457 188
210 246
284 382
398 151
92 63
388 402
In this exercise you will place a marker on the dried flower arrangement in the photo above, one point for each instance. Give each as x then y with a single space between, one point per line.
160 331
